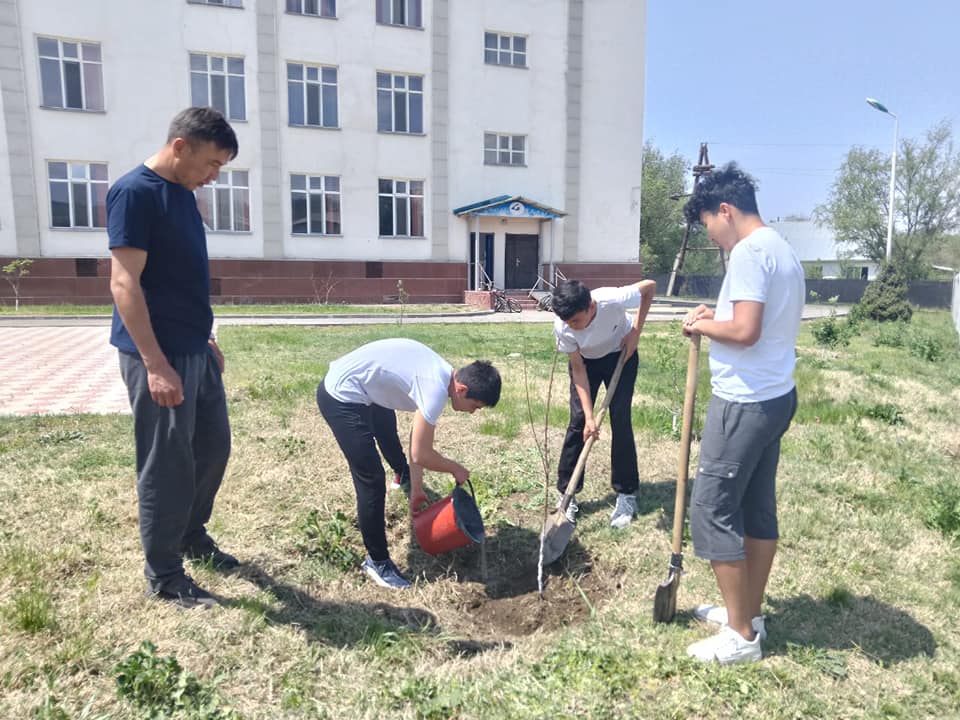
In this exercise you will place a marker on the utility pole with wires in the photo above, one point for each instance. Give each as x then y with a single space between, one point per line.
703 167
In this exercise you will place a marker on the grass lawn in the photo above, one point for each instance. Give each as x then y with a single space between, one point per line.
303 309
863 602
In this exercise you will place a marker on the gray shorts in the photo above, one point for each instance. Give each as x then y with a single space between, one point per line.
734 494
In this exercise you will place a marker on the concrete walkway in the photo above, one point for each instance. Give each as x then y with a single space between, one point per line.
66 365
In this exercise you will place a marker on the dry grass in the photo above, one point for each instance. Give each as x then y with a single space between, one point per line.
862 602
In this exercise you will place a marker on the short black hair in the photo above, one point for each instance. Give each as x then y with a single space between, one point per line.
204 124
729 185
569 298
482 381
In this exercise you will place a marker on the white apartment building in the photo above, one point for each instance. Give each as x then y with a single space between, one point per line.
370 130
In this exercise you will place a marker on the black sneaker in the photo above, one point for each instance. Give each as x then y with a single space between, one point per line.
207 551
184 593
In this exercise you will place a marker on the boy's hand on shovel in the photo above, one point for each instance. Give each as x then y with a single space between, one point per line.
590 429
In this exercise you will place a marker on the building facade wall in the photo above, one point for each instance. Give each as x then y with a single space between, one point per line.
145 48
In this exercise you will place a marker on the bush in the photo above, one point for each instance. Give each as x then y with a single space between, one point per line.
926 346
891 335
833 331
886 298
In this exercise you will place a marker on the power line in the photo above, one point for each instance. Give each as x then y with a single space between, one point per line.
742 144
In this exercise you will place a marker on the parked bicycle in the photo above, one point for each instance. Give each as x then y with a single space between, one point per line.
504 303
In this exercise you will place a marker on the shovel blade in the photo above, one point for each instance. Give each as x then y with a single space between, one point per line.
665 601
557 532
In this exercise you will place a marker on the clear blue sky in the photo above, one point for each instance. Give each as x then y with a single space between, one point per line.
780 86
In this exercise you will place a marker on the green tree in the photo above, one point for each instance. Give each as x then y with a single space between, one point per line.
661 216
926 201
14 272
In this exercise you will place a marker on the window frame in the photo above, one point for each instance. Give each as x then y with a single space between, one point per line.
409 95
500 50
88 181
218 3
304 89
82 62
510 149
304 13
232 187
323 192
391 5
209 73
409 196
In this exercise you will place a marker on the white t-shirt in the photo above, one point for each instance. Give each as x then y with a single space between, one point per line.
397 373
608 328
763 268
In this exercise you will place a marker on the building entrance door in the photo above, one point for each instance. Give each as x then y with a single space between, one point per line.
521 258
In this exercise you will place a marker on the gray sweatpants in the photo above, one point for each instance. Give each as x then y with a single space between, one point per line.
182 453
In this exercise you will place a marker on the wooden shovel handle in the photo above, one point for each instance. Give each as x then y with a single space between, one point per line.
689 402
582 460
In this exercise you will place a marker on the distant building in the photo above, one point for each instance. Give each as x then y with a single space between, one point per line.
820 253
378 139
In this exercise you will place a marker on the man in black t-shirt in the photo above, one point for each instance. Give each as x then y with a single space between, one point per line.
170 362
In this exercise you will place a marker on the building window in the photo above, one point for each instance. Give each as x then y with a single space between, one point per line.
407 13
320 8
71 74
312 95
500 49
225 204
78 194
401 208
504 149
217 81
223 3
315 204
400 103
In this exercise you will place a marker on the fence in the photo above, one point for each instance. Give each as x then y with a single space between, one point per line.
922 293
956 301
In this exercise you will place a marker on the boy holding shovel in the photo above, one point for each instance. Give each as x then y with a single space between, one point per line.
592 328
358 399
753 333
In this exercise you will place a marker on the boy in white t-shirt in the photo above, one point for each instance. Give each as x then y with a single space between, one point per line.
753 333
358 399
592 327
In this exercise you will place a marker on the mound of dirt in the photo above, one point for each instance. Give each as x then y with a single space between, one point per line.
505 601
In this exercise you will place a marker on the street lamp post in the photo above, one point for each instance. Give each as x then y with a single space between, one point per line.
877 105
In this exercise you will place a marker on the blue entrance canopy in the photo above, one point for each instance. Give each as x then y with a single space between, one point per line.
509 206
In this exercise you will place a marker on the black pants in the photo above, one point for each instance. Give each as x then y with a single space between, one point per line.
623 451
182 453
356 428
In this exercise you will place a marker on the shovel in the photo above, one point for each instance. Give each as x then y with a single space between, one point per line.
665 601
557 529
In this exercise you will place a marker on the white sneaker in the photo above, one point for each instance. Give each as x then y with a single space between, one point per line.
727 647
624 511
717 615
572 508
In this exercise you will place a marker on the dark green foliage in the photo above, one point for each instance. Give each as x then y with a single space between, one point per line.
926 346
886 298
885 412
943 509
328 541
161 688
834 332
